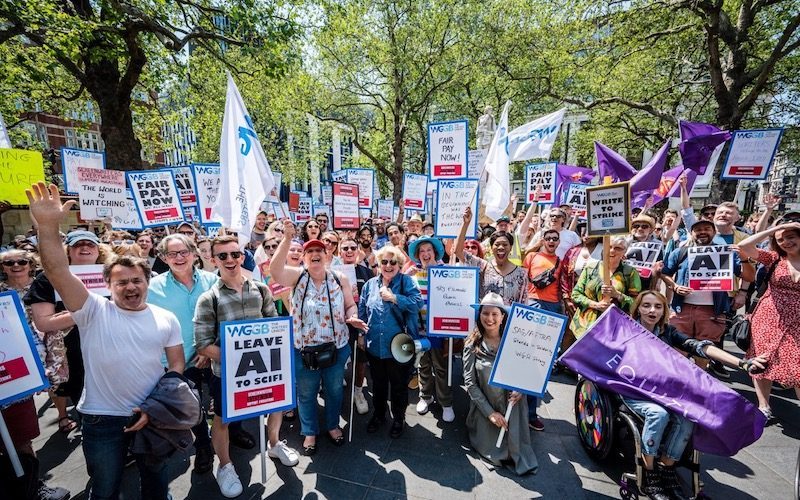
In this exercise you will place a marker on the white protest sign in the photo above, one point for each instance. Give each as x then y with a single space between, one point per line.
190 214
385 209
544 175
642 255
257 367
607 209
451 292
364 213
207 182
304 209
156 197
345 206
710 268
129 218
322 209
275 195
395 213
21 370
339 176
327 195
364 178
101 193
448 154
477 157
91 275
72 158
527 350
452 199
185 182
349 272
415 187
576 198
751 153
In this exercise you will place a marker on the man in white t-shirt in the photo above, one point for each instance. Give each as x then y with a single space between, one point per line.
122 342
566 238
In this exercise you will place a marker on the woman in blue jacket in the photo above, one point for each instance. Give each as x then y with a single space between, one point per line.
389 304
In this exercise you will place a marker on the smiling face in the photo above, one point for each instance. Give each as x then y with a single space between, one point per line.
312 230
491 318
128 287
348 251
788 240
83 253
314 259
228 259
472 247
261 221
395 236
500 249
725 217
617 253
16 265
295 255
703 233
204 248
414 227
178 257
641 231
551 240
388 264
145 242
426 254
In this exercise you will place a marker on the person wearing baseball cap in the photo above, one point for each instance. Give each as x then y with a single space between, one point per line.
75 237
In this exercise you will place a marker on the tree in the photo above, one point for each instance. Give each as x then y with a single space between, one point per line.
105 48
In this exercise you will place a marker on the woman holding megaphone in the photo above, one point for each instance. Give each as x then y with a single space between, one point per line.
389 305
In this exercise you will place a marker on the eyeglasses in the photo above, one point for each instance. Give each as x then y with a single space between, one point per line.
20 262
310 226
277 230
557 215
659 228
182 253
330 241
708 214
124 283
551 238
385 262
473 245
224 255
270 247
187 233
641 226
123 242
349 249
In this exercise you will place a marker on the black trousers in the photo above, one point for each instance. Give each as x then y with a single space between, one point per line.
386 372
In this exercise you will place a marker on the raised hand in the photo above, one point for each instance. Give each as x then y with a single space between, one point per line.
45 204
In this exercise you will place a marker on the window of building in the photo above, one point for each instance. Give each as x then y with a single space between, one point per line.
83 139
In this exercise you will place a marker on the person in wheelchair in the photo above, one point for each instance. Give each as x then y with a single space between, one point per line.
660 480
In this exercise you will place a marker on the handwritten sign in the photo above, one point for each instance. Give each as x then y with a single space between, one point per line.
129 218
72 158
447 150
364 178
415 187
710 268
385 209
185 182
451 292
21 370
527 349
751 153
327 195
576 198
321 209
345 206
156 197
544 175
19 170
642 255
607 209
207 182
475 163
102 193
452 200
257 367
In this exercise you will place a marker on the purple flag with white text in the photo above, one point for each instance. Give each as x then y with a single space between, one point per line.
620 355
610 163
698 141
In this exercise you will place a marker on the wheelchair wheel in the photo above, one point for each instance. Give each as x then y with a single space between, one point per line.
594 419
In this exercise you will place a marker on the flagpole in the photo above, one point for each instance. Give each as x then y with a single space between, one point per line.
607 247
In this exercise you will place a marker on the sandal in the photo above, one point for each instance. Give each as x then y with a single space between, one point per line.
289 416
310 449
67 427
339 440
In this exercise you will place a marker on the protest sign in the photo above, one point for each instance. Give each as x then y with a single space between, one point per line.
91 275
156 197
129 218
710 268
274 196
19 170
102 194
642 255
185 182
527 349
544 175
345 206
448 155
21 371
415 187
339 176
385 209
213 229
257 367
451 292
477 157
364 178
751 153
321 209
303 213
396 213
190 214
576 198
72 158
349 272
452 199
365 213
607 209
207 182
294 201
327 195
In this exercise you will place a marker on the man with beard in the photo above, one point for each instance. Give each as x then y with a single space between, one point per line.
567 239
642 228
381 238
414 225
364 237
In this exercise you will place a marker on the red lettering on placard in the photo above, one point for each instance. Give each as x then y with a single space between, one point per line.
711 285
258 397
451 324
413 203
161 213
749 170
448 170
13 369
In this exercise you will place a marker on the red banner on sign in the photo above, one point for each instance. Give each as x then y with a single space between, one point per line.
448 170
258 397
163 213
294 202
712 285
754 171
13 369
451 324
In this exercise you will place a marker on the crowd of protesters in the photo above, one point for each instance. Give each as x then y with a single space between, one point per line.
172 287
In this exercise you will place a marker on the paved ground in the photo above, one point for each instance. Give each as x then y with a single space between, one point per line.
433 460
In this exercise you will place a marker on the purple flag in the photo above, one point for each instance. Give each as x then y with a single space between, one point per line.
611 163
698 141
670 187
647 180
567 174
620 355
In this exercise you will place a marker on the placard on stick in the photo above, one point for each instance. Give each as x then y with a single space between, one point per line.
21 371
448 154
206 181
101 193
751 153
642 255
527 349
608 209
541 175
345 206
156 196
72 158
451 292
452 199
710 268
415 189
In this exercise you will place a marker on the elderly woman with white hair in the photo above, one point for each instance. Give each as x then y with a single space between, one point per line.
591 296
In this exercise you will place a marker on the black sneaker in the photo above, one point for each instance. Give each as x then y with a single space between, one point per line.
48 493
203 459
375 423
715 368
242 439
397 429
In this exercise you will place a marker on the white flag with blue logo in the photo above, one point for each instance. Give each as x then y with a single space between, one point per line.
245 175
497 194
535 139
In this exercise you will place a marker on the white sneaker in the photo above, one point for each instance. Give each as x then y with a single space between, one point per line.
361 402
228 481
448 415
422 406
282 452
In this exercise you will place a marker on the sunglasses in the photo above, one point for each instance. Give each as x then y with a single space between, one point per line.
551 238
182 253
330 242
312 226
224 255
349 249
20 262
641 226
385 262
277 230
123 242
270 247
471 246
187 233
708 214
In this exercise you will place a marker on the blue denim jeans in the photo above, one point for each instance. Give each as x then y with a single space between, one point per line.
656 419
105 447
555 307
307 383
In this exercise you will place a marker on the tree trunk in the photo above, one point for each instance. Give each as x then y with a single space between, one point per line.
123 149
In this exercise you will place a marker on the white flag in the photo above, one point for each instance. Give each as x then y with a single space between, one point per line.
535 139
498 188
246 178
5 142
